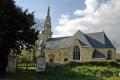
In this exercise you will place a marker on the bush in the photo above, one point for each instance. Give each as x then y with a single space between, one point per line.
96 71
94 63
107 73
118 60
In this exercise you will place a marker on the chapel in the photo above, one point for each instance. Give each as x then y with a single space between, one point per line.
80 47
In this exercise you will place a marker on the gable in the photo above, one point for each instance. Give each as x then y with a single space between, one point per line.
82 39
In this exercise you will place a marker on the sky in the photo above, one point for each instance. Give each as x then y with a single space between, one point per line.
69 16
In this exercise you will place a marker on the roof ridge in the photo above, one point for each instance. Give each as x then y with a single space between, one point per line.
95 32
61 37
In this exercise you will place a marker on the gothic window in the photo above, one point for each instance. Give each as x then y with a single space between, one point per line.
109 54
76 53
51 58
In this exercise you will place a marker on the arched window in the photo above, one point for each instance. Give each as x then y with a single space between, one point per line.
109 54
76 53
51 58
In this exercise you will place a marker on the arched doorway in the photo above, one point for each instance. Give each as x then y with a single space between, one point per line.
51 58
76 53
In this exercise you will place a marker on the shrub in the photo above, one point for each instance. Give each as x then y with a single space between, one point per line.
96 71
118 60
94 63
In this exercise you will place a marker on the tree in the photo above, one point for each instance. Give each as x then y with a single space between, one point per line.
39 27
16 30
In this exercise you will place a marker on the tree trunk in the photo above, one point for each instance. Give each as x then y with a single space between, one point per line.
3 65
4 52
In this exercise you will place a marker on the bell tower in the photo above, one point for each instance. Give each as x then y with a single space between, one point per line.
47 33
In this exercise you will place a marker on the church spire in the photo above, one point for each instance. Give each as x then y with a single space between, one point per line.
47 33
47 23
48 13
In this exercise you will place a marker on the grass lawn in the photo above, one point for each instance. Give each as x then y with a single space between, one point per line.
68 72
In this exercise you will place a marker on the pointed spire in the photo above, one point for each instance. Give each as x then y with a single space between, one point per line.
47 23
48 13
47 26
47 20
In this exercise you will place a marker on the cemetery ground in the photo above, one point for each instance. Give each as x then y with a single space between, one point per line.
95 70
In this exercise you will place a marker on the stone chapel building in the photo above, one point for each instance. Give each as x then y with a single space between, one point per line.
80 47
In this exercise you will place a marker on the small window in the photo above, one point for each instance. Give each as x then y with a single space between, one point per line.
65 59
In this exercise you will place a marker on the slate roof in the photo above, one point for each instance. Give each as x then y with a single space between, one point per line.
99 40
61 42
96 40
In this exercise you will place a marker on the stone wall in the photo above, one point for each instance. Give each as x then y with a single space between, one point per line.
105 50
117 55
86 53
59 54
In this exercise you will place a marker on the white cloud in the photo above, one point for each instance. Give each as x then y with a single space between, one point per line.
96 17
64 18
91 5
79 13
70 27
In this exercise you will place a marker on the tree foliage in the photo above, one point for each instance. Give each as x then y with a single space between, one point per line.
15 29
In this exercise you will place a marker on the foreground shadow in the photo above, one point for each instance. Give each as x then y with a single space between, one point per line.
58 73
48 76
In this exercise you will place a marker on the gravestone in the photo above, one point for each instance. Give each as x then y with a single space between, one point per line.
11 64
41 64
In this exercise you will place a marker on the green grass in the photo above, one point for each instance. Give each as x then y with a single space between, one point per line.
70 72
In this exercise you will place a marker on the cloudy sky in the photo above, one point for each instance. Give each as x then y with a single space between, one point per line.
68 16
